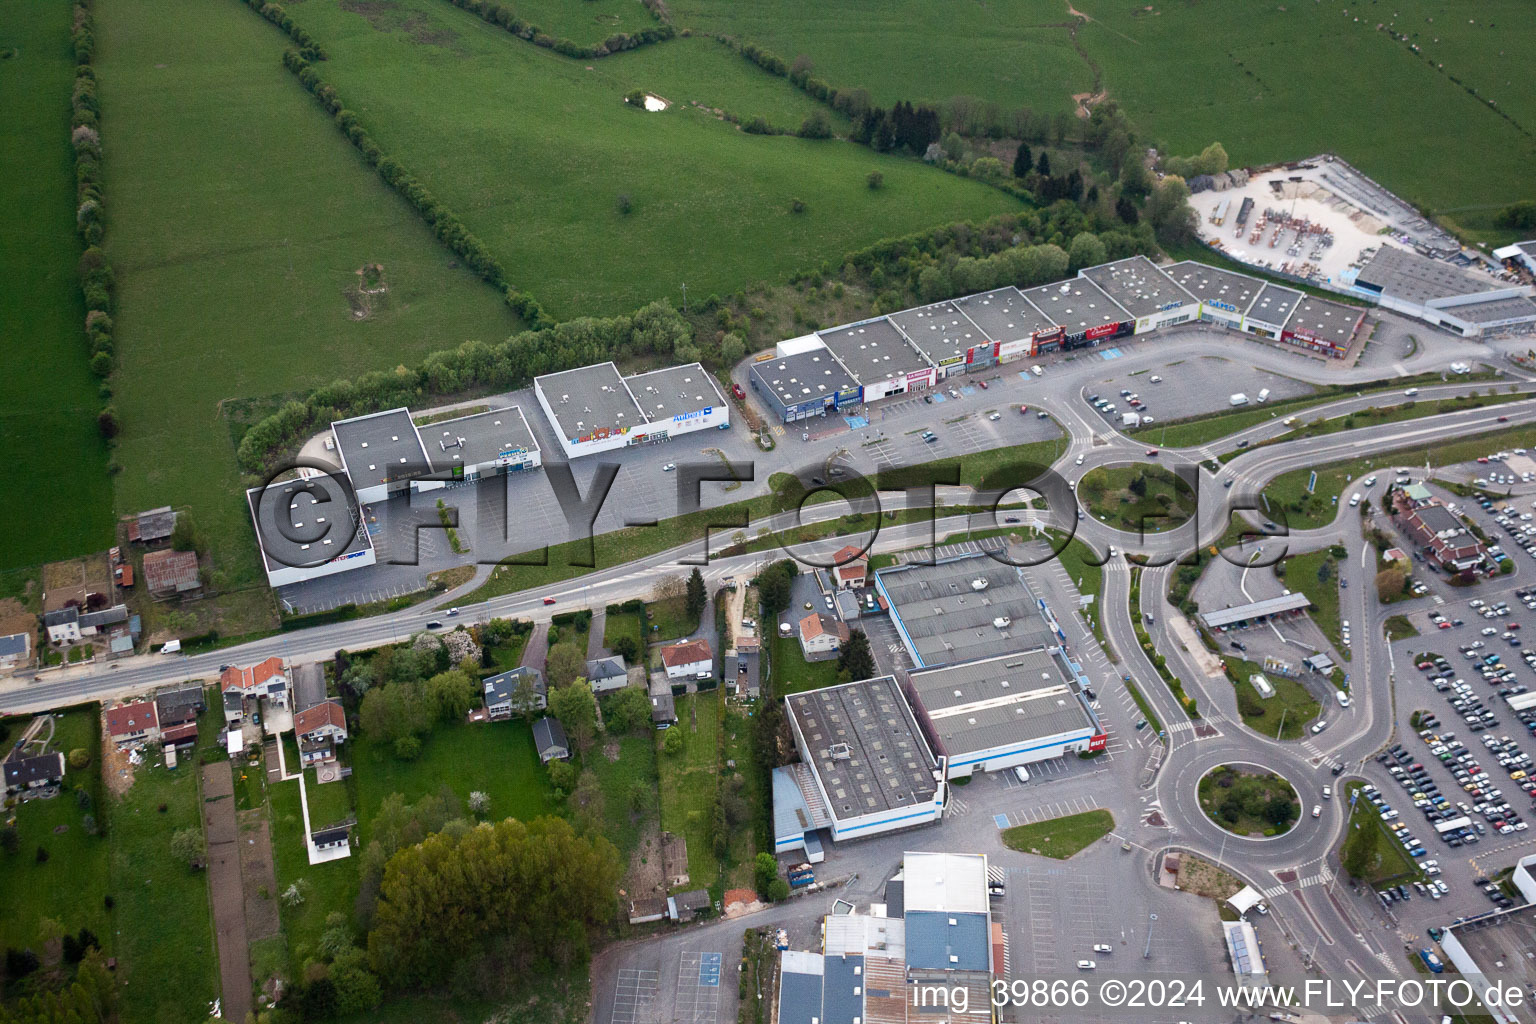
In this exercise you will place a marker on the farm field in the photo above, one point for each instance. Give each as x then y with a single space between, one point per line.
536 150
587 22
48 393
240 218
1281 82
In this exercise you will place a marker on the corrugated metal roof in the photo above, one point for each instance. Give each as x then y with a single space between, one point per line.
948 942
993 702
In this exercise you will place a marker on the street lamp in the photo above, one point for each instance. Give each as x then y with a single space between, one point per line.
1146 954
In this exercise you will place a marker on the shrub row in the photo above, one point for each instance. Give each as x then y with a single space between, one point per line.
94 272
341 613
475 366
496 14
444 223
309 46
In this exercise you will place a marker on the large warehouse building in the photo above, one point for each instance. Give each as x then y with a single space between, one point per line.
964 608
308 528
1153 298
595 409
1007 710
1443 294
864 767
903 352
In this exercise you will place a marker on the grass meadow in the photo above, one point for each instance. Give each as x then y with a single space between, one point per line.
535 150
240 217
1277 82
48 395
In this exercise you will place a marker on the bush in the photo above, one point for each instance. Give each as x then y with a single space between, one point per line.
79 758
875 181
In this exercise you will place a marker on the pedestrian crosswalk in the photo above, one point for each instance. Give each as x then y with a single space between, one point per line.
1323 877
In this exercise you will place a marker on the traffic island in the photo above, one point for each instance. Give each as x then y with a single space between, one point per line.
1248 801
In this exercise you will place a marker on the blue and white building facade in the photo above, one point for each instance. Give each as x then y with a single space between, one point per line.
865 768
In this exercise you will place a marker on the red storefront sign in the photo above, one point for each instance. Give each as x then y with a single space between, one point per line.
1101 331
1098 743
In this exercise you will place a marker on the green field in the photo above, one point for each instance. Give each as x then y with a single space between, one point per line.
332 886
496 758
163 922
1291 709
582 21
1369 852
71 885
793 674
47 393
635 766
1188 74
1060 838
1110 494
689 782
1302 573
240 218
534 151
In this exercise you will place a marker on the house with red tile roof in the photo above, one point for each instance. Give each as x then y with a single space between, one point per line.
133 723
687 659
849 568
319 728
821 636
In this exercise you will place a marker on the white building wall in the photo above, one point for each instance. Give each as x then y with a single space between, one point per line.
691 669
998 758
288 574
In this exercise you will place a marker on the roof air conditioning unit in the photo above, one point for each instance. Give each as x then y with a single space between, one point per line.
979 583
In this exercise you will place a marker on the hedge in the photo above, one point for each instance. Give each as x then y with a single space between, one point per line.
93 270
496 14
309 46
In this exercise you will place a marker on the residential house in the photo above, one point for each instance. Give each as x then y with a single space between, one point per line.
821 636
849 568
170 573
685 906
177 712
549 740
265 680
502 696
63 625
23 773
688 659
329 838
234 708
103 619
153 526
607 674
15 649
319 728
133 723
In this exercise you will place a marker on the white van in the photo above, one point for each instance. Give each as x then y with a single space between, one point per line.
1238 399
1263 395
1354 500
171 647
1343 698
1021 773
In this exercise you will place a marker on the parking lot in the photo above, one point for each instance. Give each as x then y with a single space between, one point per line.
1190 387
676 983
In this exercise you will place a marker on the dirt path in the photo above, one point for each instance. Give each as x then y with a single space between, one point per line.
224 890
258 875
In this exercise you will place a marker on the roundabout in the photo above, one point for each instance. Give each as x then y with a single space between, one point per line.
1248 801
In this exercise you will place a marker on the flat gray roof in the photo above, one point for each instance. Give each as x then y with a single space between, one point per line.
939 331
948 620
1212 284
1004 314
1274 304
934 936
589 398
865 747
873 351
1077 304
1269 606
999 701
1330 321
1138 285
803 377
380 447
304 523
1502 945
1407 275
674 391
1494 311
477 439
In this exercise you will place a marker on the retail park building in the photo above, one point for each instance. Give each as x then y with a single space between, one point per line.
915 349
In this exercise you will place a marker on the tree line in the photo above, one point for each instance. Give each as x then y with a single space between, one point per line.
654 330
93 270
309 46
444 223
496 14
